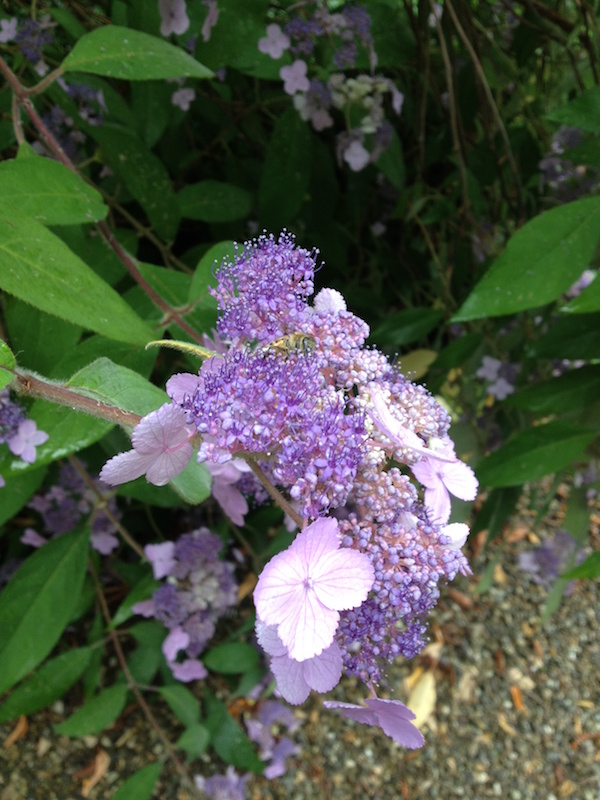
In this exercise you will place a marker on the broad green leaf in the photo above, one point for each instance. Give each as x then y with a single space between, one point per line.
587 302
148 633
118 386
37 603
193 484
496 509
141 591
140 786
47 190
458 351
18 489
43 338
101 382
540 262
286 171
406 326
569 392
194 740
7 364
573 337
391 163
48 684
203 276
232 658
533 453
227 737
131 55
588 569
144 663
144 174
582 112
97 714
36 266
182 703
214 201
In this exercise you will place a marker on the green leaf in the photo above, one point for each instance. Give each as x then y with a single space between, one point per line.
588 569
228 739
569 392
391 163
194 483
143 590
286 171
458 351
182 703
131 55
572 338
540 262
533 453
203 276
140 786
48 684
144 663
406 326
194 740
49 191
97 714
36 266
230 659
43 338
17 490
582 112
497 508
119 386
144 174
37 603
214 201
7 363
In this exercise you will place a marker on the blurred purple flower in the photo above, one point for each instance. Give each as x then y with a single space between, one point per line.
275 43
294 77
211 19
27 438
9 30
546 563
183 98
230 786
174 18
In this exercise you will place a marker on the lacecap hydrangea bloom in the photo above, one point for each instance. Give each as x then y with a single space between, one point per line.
362 454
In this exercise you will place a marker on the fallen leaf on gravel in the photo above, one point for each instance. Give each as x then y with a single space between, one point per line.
499 575
521 680
462 600
422 698
18 732
101 764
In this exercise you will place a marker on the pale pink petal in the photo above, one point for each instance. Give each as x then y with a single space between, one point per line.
458 533
231 500
324 671
290 681
394 719
310 630
426 473
32 538
167 465
181 385
437 502
104 543
460 480
125 467
269 640
343 579
160 430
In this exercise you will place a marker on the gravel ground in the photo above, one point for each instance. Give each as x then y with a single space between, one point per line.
516 716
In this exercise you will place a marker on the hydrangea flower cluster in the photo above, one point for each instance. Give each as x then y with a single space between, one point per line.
66 504
360 99
199 589
17 431
546 563
362 452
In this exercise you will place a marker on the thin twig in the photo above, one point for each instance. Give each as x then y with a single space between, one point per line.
135 689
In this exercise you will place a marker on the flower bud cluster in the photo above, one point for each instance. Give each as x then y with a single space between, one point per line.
17 431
